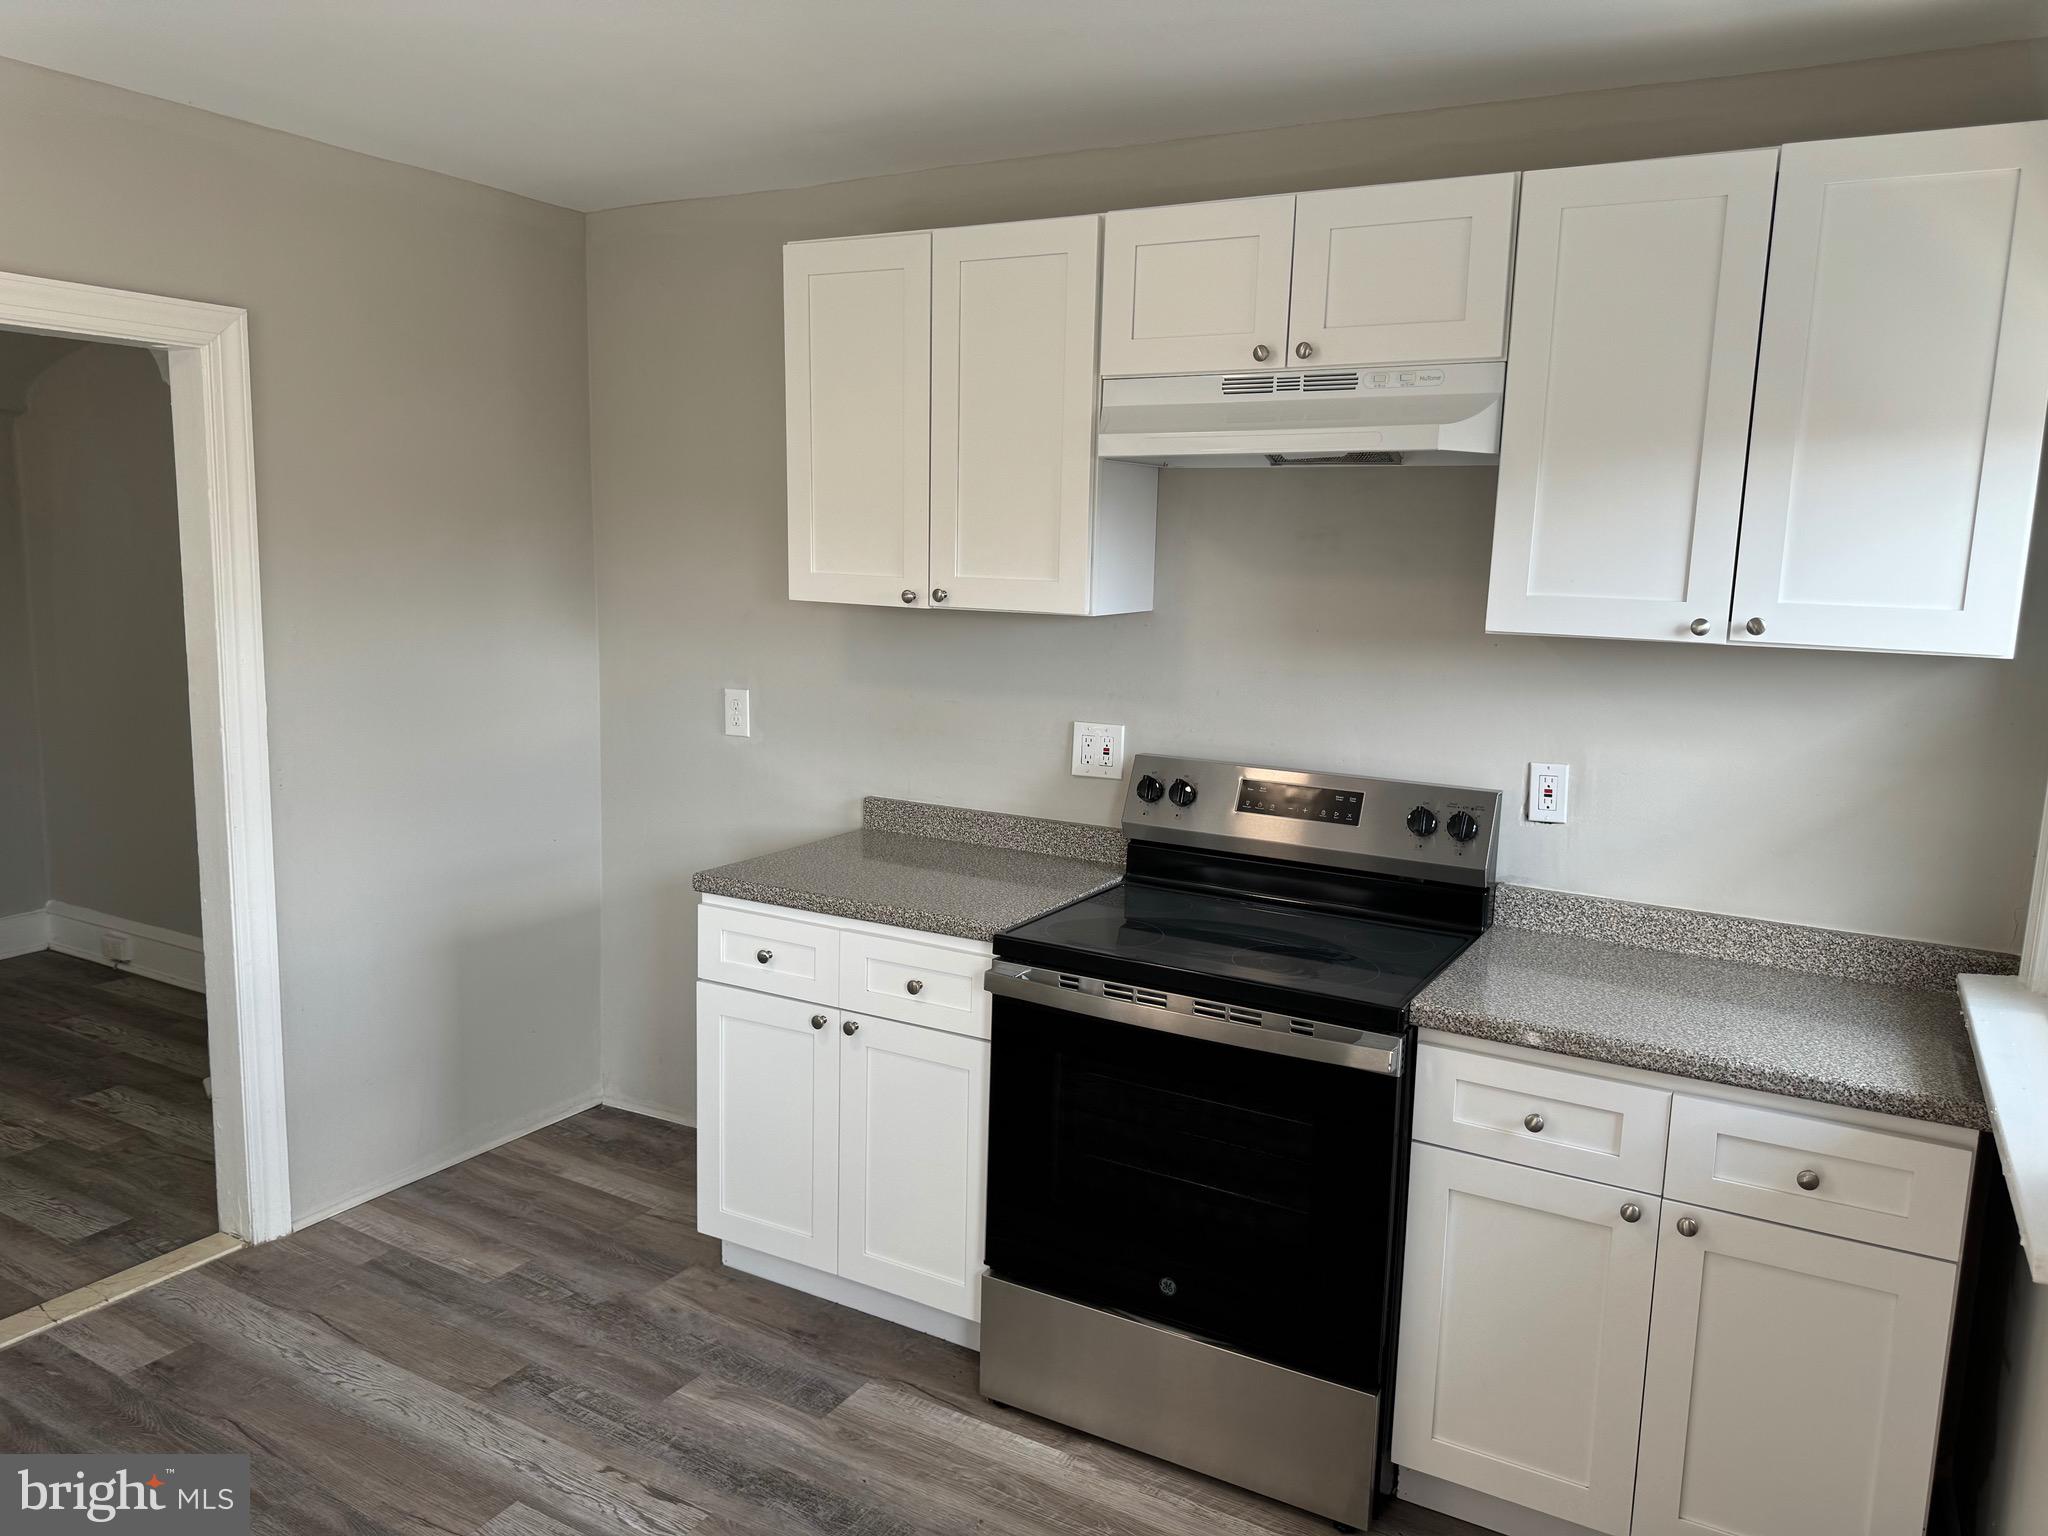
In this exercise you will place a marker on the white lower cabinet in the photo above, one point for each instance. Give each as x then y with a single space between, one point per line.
768 1123
1794 1383
1525 1318
1691 1372
913 1108
837 1138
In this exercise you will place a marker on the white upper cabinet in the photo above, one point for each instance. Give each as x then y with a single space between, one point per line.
1638 289
1200 288
1416 272
856 341
1900 394
1013 414
941 397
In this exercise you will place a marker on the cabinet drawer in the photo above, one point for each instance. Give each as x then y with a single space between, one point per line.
927 984
1868 1185
766 952
1566 1122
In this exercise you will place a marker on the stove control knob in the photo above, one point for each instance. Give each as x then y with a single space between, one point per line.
1422 821
1463 826
1181 793
1150 789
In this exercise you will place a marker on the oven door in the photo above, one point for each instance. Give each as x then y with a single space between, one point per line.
1243 1195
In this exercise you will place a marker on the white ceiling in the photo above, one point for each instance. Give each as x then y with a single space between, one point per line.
598 103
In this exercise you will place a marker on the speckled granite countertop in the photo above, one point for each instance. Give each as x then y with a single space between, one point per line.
935 869
1896 1049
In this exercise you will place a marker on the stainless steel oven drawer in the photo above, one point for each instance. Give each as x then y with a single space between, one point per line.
1293 1437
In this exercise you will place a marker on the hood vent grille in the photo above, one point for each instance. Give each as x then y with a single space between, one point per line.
1311 460
1289 383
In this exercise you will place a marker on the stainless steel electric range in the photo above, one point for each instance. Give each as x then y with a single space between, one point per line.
1198 1121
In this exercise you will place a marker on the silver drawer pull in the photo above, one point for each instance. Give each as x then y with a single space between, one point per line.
1687 1227
819 1021
913 987
851 1026
764 955
1533 1123
1808 1179
1631 1212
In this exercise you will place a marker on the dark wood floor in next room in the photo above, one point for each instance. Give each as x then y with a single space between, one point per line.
538 1342
106 1135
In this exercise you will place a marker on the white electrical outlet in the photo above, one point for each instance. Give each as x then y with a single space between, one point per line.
1098 751
739 712
1549 790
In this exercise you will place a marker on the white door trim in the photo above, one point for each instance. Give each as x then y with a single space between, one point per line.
208 347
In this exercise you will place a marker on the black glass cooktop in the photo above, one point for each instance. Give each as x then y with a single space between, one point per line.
1204 943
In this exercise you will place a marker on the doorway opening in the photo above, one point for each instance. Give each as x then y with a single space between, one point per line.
141 1081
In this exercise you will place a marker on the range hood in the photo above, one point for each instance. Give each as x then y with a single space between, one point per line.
1444 413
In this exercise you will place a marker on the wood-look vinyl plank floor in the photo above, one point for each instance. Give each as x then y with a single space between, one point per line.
539 1343
106 1139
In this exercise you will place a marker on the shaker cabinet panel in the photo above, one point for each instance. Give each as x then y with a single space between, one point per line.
1200 288
1525 1319
1013 414
1900 394
1794 1384
1415 272
767 1123
913 1119
1638 291
856 343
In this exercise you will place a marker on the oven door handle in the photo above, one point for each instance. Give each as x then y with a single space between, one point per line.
1176 1015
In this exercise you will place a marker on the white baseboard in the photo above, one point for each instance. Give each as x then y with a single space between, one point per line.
651 1110
497 1136
160 954
25 933
851 1293
1480 1509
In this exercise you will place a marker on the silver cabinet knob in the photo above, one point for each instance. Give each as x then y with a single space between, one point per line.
850 1027
1697 626
764 955
938 594
1303 350
1261 352
910 594
1687 1227
1755 626
1808 1178
913 987
819 1021
1631 1212
1533 1123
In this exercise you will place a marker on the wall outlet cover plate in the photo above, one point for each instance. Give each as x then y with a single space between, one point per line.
1098 751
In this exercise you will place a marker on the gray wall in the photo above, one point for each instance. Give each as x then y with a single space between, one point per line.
24 864
1332 620
422 476
99 506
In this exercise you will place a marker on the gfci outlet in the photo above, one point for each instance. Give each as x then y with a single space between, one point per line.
739 712
1549 790
1098 751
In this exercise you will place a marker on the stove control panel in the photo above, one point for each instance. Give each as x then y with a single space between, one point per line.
1395 826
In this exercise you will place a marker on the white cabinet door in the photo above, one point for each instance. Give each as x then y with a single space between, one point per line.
1637 294
1899 394
1197 288
1414 272
768 1123
913 1123
1524 1317
1794 1383
1013 414
856 341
